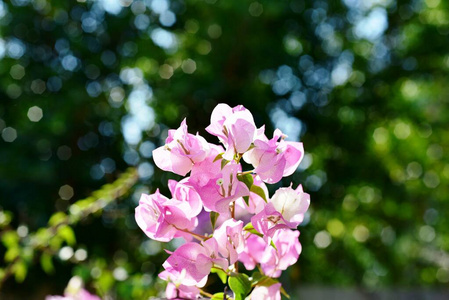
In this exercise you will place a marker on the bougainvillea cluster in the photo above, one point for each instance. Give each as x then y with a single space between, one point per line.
246 224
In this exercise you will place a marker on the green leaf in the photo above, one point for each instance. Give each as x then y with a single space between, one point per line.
218 296
262 280
224 162
57 218
259 191
12 253
20 271
247 179
221 274
250 228
240 285
67 234
273 245
213 218
246 198
219 156
5 218
47 263
10 239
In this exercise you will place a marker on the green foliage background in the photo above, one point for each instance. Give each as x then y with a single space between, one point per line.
362 83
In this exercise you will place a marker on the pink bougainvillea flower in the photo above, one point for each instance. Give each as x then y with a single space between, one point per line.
80 295
287 251
74 291
181 151
292 204
212 250
255 202
253 251
230 240
221 188
182 191
275 158
285 209
174 291
268 221
234 127
272 292
191 261
162 219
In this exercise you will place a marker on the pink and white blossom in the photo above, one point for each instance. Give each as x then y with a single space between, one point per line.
292 204
234 127
230 240
221 189
275 158
181 151
162 219
272 292
253 252
287 251
191 263
179 291
285 209
182 191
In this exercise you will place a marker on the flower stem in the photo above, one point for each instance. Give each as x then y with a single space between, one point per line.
206 293
195 235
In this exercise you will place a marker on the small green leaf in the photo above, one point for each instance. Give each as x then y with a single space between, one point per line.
246 198
67 234
247 179
219 156
20 271
250 228
262 280
10 239
57 218
259 191
240 285
213 218
221 274
273 245
218 296
47 263
5 218
224 162
12 253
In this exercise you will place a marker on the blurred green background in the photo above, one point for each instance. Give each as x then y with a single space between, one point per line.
89 88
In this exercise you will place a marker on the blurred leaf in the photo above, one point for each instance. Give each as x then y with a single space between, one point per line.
67 234
12 253
57 218
20 271
10 238
47 263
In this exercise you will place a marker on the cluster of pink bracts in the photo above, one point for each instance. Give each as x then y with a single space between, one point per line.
254 229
